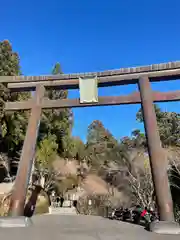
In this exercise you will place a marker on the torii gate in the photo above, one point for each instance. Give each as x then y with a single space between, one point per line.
138 75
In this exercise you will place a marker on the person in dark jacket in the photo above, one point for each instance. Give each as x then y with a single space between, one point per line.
31 204
75 203
61 201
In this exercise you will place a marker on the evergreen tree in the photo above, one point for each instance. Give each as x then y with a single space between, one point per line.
13 126
99 138
100 143
9 60
168 125
57 122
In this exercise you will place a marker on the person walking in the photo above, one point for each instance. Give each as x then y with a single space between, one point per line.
61 201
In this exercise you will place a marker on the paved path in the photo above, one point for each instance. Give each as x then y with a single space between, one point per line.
54 227
63 210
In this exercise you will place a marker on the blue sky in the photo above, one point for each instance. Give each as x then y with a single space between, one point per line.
94 36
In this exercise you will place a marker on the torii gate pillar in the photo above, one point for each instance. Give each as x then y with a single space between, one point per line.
157 157
26 161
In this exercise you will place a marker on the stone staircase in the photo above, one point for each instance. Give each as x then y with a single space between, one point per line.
62 210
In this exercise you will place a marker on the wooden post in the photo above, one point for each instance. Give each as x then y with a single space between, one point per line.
26 161
157 157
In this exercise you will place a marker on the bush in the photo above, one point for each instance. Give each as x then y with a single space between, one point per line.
99 205
4 204
42 204
42 207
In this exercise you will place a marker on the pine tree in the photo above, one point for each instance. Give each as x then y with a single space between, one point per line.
57 122
13 126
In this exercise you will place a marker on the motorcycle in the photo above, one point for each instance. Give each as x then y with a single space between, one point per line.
127 215
145 215
153 216
137 216
117 214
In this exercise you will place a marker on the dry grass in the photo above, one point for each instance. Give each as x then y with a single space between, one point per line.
6 187
42 205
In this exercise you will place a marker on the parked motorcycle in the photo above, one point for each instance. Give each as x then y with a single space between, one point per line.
137 215
144 215
117 214
153 216
127 215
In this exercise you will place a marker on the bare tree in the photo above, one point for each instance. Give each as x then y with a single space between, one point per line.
139 179
174 168
142 189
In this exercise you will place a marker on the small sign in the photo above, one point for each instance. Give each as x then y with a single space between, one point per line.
88 88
